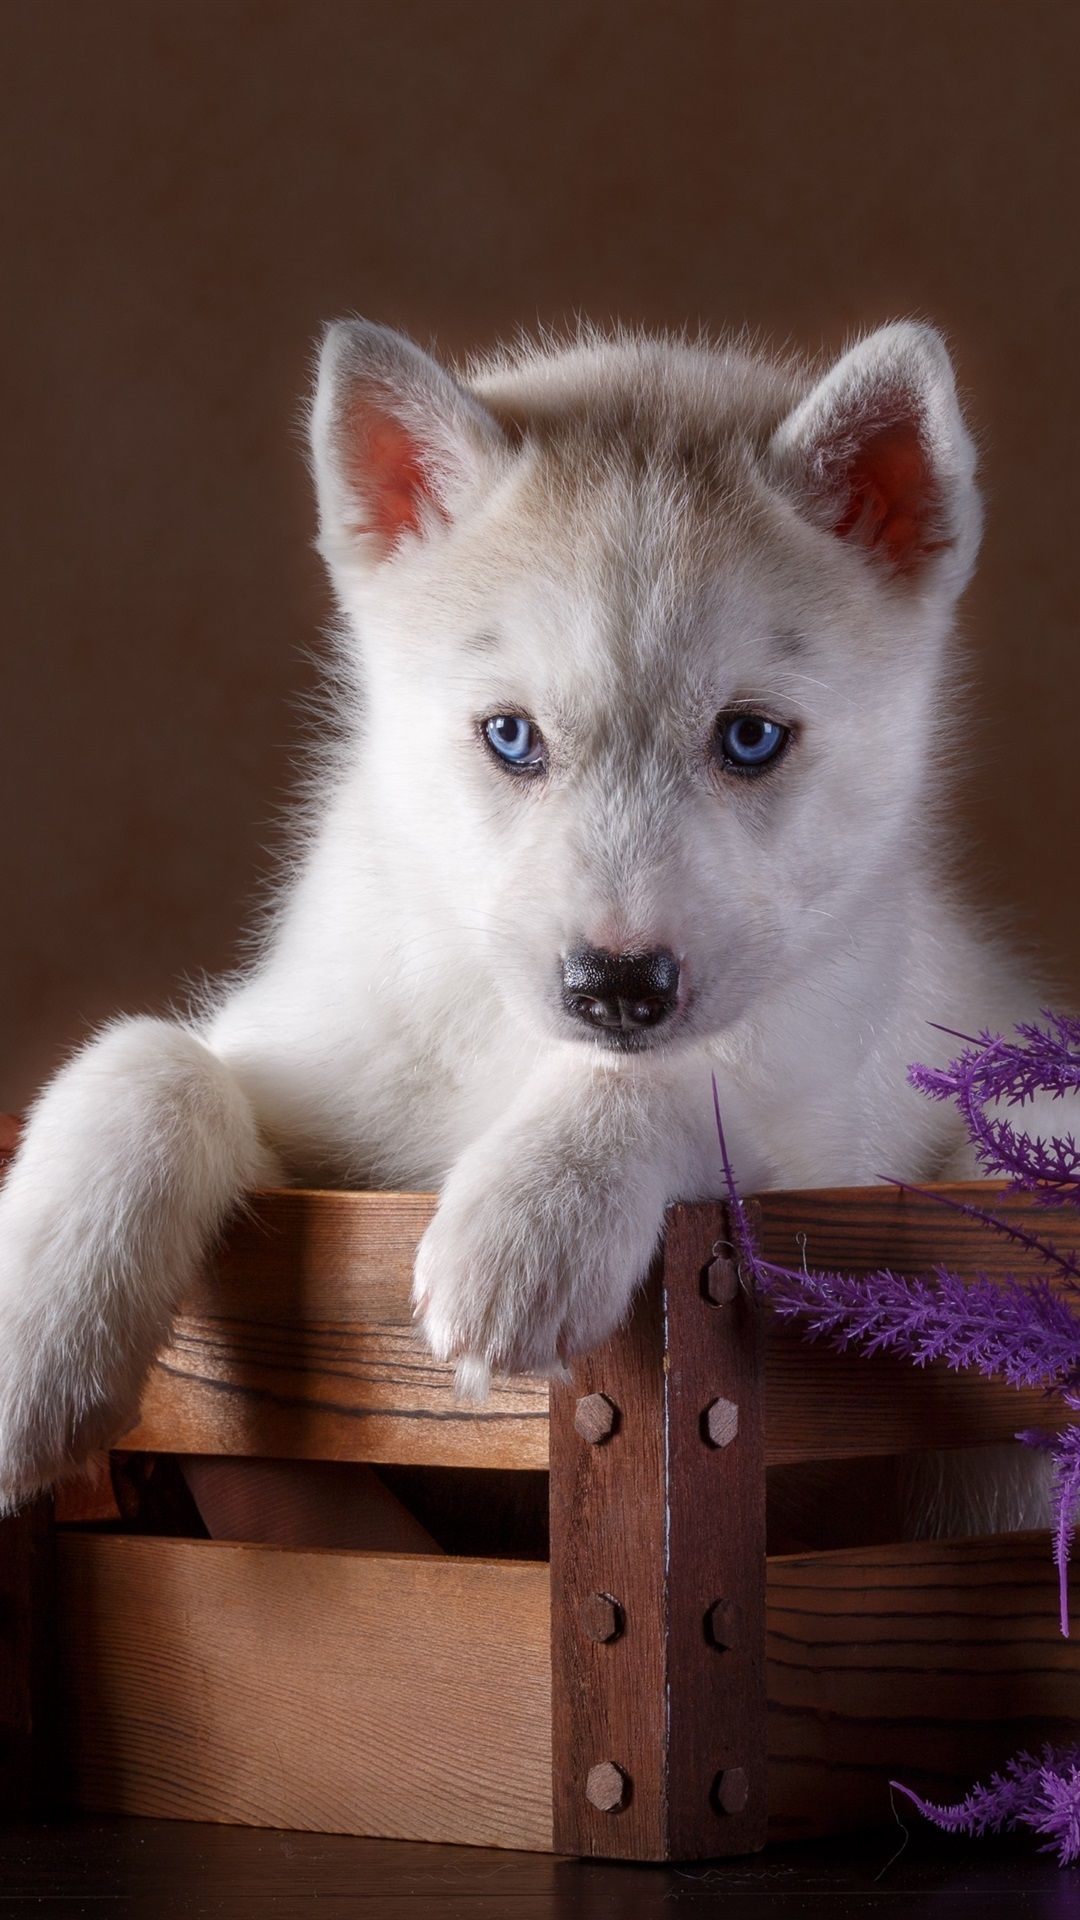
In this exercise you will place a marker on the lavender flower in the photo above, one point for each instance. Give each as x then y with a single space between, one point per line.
1042 1060
1041 1793
1019 1330
1065 1448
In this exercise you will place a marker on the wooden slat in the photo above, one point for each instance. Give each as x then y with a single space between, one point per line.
330 1692
397 1696
658 1532
820 1404
90 1498
930 1663
299 1342
860 1228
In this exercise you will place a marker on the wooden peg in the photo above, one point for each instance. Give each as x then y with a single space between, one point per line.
720 1280
721 1422
605 1788
601 1617
594 1417
732 1790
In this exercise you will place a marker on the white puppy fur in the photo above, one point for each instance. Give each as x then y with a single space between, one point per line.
626 547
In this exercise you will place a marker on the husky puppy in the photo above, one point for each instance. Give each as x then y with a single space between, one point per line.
637 781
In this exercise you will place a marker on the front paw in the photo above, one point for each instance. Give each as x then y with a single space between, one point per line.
66 1388
49 1429
514 1276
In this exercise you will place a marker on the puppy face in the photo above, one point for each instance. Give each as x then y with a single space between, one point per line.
650 641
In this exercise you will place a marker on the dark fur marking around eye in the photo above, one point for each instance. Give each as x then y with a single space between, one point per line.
482 642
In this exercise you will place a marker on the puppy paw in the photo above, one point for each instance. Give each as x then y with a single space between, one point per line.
516 1275
54 1409
68 1386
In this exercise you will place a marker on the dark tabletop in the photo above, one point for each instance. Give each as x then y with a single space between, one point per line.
162 1869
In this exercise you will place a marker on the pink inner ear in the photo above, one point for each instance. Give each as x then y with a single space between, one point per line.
892 498
384 465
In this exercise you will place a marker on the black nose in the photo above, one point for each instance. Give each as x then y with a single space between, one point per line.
620 992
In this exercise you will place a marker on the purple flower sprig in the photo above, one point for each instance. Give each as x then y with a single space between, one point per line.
1040 1792
991 1070
1019 1330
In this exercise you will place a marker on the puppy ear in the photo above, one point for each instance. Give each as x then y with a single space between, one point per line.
878 454
398 446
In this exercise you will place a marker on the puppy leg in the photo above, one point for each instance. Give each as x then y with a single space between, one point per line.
131 1160
548 1221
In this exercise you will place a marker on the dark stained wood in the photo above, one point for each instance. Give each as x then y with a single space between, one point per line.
608 1536
607 1514
299 1344
330 1692
658 1732
25 1620
716 1551
931 1663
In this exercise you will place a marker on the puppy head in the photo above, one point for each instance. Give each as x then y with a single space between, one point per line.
649 639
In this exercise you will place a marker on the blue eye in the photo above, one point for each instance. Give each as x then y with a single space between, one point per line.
516 741
748 742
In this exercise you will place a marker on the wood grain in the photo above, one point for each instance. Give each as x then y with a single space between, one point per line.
299 1341
820 1404
333 1692
299 1344
931 1663
329 1692
715 1551
656 1725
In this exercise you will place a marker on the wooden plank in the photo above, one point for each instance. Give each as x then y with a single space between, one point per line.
820 1404
25 1620
658 1565
861 1228
931 1663
335 1692
299 1344
330 1692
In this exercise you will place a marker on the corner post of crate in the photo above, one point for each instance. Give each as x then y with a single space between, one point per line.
658 1568
25 1618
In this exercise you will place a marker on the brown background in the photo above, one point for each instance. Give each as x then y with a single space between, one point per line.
192 186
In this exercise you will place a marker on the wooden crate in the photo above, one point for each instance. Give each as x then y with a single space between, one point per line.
662 1689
